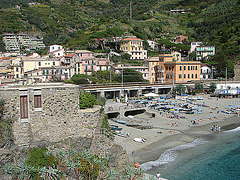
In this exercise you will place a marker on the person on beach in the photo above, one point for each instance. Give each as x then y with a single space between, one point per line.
158 175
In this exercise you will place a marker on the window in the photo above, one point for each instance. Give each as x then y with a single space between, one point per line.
39 63
23 107
17 76
37 101
184 67
43 72
184 76
192 76
180 76
16 69
195 75
188 76
196 68
188 67
53 63
180 67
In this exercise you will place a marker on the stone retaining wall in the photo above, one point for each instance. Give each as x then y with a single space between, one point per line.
237 72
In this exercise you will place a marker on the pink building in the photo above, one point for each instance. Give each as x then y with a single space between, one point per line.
102 64
87 63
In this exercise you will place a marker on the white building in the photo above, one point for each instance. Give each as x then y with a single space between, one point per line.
152 44
206 72
194 45
56 50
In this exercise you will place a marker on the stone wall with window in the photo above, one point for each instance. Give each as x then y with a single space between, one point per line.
47 112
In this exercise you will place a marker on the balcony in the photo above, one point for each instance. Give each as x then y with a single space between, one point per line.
88 70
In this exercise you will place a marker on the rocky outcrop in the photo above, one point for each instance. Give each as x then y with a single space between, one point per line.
102 146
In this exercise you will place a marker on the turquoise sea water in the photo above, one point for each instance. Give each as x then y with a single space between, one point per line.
213 157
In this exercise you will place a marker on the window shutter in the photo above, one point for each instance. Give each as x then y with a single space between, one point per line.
23 107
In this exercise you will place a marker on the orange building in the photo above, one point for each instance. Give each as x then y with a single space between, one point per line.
170 70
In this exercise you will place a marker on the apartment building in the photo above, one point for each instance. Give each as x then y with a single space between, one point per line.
151 62
206 72
134 47
204 52
11 42
169 70
14 42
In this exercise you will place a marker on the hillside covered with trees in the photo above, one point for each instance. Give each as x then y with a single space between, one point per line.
77 24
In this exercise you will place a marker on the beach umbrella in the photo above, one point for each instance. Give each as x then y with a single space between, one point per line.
171 110
151 95
194 107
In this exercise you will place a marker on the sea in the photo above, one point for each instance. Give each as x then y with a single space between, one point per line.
212 157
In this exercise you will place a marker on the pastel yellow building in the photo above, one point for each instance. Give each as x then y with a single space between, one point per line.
21 65
134 47
151 63
178 71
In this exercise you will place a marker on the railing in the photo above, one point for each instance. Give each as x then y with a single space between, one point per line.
136 106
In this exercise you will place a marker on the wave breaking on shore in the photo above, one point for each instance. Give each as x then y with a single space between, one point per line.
233 130
171 154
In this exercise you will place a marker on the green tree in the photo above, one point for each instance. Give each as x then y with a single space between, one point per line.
87 100
199 87
180 88
130 75
213 86
101 101
80 79
192 56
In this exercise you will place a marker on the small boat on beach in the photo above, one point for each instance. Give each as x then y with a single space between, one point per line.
115 128
121 122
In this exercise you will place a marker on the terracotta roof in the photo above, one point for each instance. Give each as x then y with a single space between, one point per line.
70 55
5 58
132 39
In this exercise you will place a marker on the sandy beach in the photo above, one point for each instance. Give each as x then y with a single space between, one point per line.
163 135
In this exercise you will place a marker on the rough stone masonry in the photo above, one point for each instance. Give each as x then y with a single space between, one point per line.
56 117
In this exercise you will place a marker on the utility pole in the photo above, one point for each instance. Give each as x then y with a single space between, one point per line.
226 79
122 82
130 10
110 69
173 77
212 72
